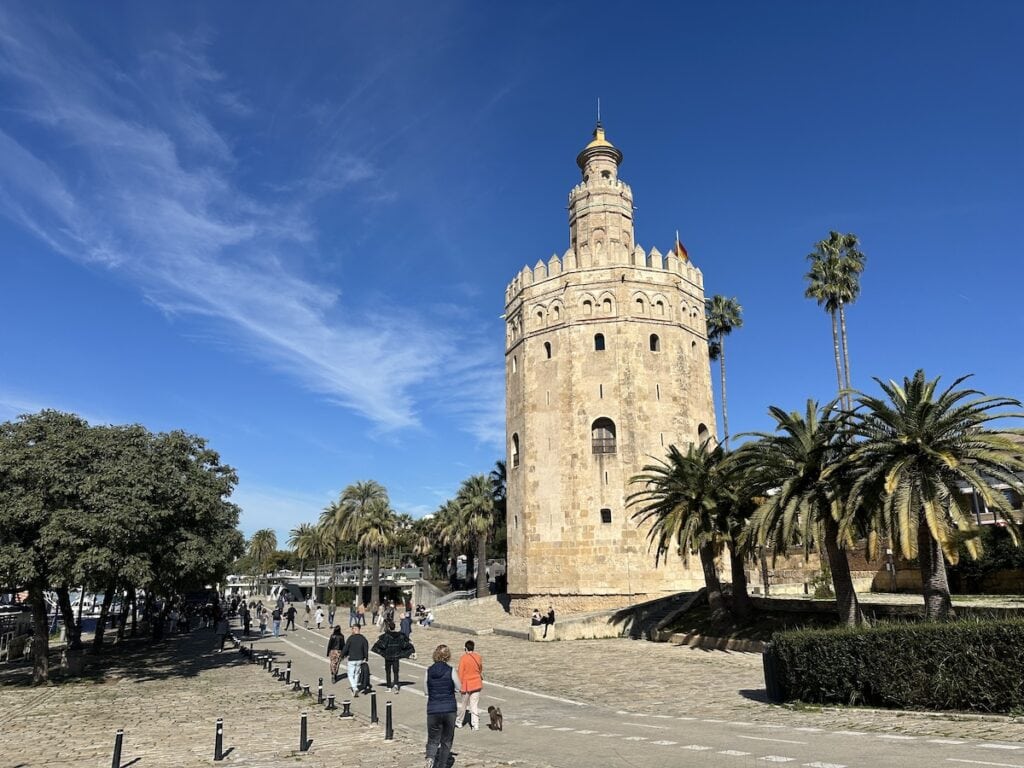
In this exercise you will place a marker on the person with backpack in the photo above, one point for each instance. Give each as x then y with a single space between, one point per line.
357 651
393 646
440 683
471 673
335 646
277 622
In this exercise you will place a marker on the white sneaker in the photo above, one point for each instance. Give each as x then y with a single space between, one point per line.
458 725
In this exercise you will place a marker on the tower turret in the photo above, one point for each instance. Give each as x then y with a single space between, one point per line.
601 207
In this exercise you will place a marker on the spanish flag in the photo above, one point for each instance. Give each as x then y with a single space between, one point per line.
679 250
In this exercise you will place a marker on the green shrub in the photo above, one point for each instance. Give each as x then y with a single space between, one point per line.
966 665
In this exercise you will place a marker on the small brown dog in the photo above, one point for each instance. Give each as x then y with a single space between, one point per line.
496 718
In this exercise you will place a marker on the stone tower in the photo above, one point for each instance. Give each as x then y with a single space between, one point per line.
606 365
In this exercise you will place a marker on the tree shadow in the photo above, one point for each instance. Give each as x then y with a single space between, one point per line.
760 695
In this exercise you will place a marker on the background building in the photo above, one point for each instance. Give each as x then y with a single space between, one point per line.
606 365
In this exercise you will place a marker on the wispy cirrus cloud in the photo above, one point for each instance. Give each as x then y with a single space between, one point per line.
128 170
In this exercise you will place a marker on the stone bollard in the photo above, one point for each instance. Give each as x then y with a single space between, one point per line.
218 741
303 741
346 708
373 708
306 691
330 702
389 729
118 741
296 686
277 673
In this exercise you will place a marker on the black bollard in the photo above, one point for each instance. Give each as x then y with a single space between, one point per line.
346 708
218 741
118 740
252 658
330 702
373 708
303 742
277 673
389 729
288 674
320 691
288 665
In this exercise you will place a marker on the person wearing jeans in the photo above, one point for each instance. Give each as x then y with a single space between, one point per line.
440 683
471 673
356 650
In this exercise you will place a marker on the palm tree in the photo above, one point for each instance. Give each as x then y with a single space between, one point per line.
476 507
423 543
451 531
680 500
328 544
300 540
919 449
349 511
723 315
376 533
833 280
262 547
793 471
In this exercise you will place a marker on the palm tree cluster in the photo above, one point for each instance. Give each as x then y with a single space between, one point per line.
860 468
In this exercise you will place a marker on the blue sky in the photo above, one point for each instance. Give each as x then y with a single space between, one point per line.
289 229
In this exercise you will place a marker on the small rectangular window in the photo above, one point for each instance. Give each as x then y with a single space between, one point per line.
606 515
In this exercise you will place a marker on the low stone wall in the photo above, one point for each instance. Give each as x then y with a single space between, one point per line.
523 605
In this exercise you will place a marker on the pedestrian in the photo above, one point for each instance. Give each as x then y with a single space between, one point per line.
246 619
335 645
280 600
306 616
172 621
357 651
220 628
440 682
290 615
353 614
393 646
406 625
536 619
471 673
550 620
261 612
428 619
331 610
319 617
277 622
361 614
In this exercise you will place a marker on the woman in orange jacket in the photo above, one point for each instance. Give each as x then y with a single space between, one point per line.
471 677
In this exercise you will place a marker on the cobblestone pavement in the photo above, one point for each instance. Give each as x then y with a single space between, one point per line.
167 700
666 679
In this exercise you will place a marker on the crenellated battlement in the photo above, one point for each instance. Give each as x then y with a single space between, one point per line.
600 185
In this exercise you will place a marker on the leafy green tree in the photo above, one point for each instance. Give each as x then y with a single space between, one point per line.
917 448
723 316
833 280
793 469
475 501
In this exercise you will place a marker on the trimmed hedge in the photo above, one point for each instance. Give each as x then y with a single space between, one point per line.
967 665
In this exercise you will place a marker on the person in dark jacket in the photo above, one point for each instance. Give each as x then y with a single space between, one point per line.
440 683
357 650
406 625
392 645
290 615
335 645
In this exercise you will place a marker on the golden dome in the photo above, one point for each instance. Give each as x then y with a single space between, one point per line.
599 145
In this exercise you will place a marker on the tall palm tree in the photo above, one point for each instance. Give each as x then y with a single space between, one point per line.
451 531
328 544
919 448
300 540
377 531
792 469
423 543
833 280
723 316
262 547
476 507
680 499
349 511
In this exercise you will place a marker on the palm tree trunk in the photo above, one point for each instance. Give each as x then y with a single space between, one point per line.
375 579
935 586
835 348
481 569
842 582
742 606
714 586
40 635
846 349
721 371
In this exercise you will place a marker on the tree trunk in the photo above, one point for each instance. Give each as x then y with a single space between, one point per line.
470 561
721 371
101 622
40 635
375 579
742 606
846 349
481 565
714 586
72 631
135 611
316 579
123 621
835 349
763 559
842 582
935 586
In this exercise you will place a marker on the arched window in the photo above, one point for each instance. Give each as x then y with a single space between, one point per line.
703 435
588 307
655 343
556 312
639 306
540 318
606 306
602 436
547 349
514 365
659 308
599 342
606 516
515 450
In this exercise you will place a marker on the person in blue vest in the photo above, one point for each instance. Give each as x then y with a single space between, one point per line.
440 683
